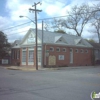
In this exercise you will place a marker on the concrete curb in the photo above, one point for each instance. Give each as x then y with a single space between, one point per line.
33 69
20 68
75 67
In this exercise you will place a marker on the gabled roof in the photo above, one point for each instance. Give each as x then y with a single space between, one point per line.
80 42
53 38
77 41
60 39
95 45
57 38
16 44
26 35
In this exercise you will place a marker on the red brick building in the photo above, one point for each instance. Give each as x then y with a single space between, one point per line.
58 50
96 50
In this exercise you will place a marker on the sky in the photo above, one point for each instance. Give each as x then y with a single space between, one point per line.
15 27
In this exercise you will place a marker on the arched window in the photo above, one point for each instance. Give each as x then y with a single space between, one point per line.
86 51
81 51
58 49
64 49
76 50
51 49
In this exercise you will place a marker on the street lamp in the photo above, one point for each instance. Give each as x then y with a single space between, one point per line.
35 39
28 18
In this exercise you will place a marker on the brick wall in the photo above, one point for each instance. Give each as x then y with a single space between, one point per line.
80 58
15 58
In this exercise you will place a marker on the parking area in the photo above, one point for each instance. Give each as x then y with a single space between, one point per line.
56 84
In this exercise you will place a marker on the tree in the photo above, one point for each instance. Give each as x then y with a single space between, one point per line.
47 25
4 45
60 31
54 25
90 40
96 25
96 21
77 18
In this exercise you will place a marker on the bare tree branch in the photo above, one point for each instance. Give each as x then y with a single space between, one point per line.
78 18
96 20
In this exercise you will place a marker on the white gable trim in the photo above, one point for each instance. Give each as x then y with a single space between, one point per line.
77 41
29 38
57 38
24 38
60 39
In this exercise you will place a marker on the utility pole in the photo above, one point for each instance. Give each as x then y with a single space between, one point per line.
36 10
42 47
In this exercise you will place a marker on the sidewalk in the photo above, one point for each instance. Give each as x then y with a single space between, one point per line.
23 68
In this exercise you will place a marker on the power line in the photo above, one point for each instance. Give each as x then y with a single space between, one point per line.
33 20
43 19
30 21
15 26
16 33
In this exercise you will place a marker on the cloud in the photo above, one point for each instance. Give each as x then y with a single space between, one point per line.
15 11
88 33
4 22
50 8
21 7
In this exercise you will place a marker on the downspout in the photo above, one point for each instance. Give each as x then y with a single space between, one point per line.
45 54
42 48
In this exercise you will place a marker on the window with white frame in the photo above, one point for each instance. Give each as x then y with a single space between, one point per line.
58 49
30 56
61 57
18 54
39 56
76 50
51 49
23 56
81 50
86 51
64 49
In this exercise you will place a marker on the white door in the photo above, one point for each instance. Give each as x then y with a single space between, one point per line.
39 57
71 55
23 57
30 57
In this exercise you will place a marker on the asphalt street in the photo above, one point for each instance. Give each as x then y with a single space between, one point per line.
64 84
